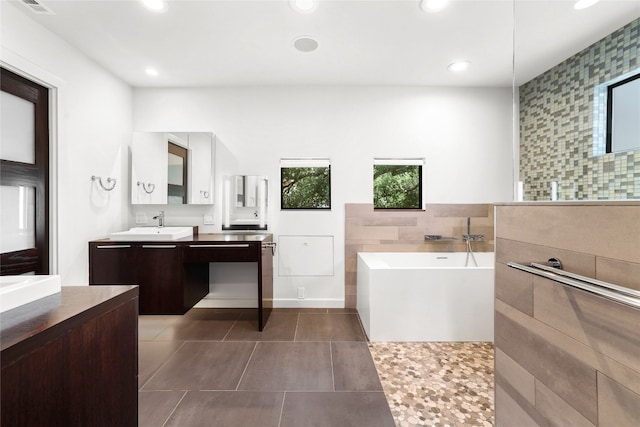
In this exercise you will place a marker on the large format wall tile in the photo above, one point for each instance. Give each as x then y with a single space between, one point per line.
514 287
556 410
609 327
370 230
618 406
509 413
619 272
516 376
607 231
567 376
581 351
524 253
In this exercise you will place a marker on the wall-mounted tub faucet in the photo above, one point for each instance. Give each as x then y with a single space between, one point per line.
471 237
160 218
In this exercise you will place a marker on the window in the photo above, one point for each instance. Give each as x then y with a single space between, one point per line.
616 105
305 183
397 183
623 115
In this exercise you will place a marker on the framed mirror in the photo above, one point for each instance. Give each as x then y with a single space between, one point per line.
172 168
245 202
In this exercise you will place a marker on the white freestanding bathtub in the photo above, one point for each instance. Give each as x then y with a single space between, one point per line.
426 296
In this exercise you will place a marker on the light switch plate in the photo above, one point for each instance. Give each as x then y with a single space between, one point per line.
141 218
208 219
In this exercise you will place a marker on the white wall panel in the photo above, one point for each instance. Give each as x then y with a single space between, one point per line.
305 256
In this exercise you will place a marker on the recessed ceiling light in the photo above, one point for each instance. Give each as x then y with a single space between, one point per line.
155 5
458 66
583 4
305 43
433 5
304 6
152 72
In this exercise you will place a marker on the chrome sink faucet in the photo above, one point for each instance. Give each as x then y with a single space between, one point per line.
160 218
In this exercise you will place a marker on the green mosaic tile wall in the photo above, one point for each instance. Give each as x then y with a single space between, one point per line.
557 125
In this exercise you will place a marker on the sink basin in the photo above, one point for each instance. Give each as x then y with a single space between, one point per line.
19 290
140 234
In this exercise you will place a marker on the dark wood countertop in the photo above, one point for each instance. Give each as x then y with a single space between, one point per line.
47 318
205 237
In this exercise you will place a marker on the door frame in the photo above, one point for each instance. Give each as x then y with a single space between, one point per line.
19 65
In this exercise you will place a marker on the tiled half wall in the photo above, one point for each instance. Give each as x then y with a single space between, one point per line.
563 356
557 113
369 230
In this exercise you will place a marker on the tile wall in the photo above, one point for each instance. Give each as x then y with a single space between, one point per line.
563 356
369 230
557 119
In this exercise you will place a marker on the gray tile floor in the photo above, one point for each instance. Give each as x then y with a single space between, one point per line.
212 367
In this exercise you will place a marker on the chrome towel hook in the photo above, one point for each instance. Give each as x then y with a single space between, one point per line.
111 181
147 187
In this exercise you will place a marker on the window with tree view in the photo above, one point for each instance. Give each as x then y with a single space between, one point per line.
305 187
397 186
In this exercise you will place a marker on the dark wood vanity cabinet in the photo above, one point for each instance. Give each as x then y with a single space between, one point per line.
165 286
222 252
71 359
161 279
112 264
173 276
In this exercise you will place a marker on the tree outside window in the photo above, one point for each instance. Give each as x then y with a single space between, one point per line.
305 187
397 186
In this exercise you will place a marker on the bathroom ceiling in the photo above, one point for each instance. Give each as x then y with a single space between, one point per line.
379 42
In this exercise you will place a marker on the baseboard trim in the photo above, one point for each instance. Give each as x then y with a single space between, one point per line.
208 302
308 303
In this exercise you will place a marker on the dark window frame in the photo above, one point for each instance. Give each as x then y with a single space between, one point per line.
420 201
304 208
610 88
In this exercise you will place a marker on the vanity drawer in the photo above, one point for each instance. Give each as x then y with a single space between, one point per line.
223 252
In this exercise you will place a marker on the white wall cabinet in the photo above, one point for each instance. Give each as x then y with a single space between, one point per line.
152 167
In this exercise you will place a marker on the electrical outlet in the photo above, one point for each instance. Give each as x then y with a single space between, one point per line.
141 218
300 293
208 219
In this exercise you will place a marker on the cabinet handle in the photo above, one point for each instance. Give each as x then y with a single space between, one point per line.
219 246
270 245
158 246
113 246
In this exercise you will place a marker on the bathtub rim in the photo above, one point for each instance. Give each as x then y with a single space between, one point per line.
373 260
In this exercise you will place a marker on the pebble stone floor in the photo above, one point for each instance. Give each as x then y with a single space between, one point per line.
437 383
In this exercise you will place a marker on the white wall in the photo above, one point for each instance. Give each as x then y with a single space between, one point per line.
91 133
465 134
